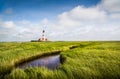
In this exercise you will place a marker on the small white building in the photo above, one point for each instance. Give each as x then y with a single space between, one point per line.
43 38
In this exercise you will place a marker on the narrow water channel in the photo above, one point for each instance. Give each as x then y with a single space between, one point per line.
50 62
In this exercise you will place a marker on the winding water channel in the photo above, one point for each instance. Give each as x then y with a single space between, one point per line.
50 62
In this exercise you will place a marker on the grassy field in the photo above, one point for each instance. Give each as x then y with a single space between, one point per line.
89 60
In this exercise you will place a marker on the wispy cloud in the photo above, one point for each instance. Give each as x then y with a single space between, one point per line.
113 6
8 11
7 24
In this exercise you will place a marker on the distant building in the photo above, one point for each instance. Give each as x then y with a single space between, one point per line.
43 38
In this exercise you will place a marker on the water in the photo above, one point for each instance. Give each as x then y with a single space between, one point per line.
50 62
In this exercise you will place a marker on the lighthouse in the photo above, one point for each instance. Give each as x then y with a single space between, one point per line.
43 38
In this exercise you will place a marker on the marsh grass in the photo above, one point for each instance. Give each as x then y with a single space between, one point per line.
14 52
90 60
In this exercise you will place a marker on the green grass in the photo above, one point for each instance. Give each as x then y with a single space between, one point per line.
90 60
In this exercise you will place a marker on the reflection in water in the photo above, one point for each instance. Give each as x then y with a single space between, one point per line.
51 62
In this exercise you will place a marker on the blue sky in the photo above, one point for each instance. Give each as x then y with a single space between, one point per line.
38 9
23 20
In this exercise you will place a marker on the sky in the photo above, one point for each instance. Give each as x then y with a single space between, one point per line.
63 20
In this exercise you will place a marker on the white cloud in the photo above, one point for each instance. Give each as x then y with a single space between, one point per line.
92 23
24 22
111 5
44 21
80 15
100 22
7 24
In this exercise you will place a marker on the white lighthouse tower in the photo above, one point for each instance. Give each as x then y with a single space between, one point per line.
43 38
